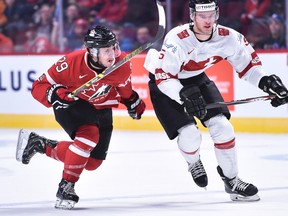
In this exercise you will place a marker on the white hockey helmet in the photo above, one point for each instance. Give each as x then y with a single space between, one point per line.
203 6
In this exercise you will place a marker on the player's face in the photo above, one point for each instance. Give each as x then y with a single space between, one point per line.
203 21
106 56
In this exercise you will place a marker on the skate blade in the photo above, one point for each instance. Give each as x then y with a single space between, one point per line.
239 198
21 144
64 204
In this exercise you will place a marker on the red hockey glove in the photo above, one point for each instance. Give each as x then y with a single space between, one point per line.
194 103
57 95
135 106
273 86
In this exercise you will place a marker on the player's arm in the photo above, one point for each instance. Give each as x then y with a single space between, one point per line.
273 86
245 60
130 98
49 90
39 89
49 95
250 69
160 64
189 96
135 105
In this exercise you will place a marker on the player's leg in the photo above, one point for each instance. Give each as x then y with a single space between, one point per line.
189 140
222 134
82 127
175 122
76 158
99 153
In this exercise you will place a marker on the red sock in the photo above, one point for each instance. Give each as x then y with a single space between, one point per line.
74 165
78 153
58 153
93 164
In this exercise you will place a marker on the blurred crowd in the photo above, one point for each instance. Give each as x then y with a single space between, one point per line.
263 22
34 26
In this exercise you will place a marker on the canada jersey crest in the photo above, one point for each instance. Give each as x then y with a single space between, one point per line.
97 92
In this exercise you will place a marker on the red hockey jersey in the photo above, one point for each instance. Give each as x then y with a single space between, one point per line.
72 71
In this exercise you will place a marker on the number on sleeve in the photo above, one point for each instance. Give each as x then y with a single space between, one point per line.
62 66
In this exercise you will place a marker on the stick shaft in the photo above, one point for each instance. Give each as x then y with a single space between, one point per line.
241 101
159 35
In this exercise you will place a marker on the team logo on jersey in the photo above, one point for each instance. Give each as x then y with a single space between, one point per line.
201 65
102 91
125 83
41 77
170 46
93 93
223 31
161 76
82 76
183 34
210 62
189 52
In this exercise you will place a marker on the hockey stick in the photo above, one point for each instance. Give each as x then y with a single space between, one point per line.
241 101
159 35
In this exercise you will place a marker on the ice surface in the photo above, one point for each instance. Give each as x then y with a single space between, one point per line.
145 175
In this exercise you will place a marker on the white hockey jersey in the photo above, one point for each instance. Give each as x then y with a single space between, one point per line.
183 56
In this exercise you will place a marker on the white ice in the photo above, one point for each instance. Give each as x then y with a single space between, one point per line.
145 175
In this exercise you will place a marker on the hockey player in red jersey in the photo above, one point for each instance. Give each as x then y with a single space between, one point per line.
86 118
180 90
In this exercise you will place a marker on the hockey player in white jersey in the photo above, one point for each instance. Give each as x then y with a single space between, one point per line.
180 90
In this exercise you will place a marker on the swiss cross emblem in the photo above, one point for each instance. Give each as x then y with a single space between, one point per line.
223 32
183 34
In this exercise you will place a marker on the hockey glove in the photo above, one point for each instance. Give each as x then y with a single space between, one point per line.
273 86
135 105
194 103
57 96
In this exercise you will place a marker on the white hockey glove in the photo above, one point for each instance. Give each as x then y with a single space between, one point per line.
57 96
194 102
273 86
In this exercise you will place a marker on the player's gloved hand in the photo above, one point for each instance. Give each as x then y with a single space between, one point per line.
273 86
57 95
194 103
135 105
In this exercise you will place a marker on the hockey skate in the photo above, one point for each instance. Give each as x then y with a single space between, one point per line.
198 173
238 189
29 144
66 196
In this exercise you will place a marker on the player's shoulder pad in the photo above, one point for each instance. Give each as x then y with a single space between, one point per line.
176 38
179 32
76 53
231 35
122 55
226 31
